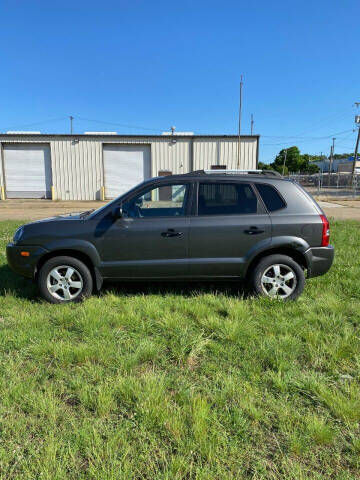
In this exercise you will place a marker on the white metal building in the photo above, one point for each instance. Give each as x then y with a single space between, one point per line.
96 166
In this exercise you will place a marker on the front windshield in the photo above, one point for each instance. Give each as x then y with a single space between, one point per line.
115 201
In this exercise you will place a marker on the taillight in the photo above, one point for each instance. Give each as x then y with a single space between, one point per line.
325 231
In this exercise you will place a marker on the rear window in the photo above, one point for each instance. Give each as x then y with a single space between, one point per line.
226 199
270 196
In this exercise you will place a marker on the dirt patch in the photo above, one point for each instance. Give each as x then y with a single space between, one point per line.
341 209
343 213
37 209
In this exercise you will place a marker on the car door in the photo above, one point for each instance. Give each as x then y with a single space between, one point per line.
229 222
150 240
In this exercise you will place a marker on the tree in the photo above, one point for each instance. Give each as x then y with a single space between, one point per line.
297 162
306 166
342 155
293 160
313 168
264 166
304 162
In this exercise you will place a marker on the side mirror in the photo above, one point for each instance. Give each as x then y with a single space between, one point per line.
117 212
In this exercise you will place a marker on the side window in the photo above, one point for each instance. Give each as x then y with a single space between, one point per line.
270 196
226 199
165 201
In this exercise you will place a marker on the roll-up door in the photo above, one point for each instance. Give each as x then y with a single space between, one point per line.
27 171
124 167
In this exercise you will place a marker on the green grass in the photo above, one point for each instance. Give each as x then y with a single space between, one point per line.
183 382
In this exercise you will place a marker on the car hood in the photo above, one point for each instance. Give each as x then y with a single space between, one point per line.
65 216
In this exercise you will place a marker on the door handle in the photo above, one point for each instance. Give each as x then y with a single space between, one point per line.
253 231
171 233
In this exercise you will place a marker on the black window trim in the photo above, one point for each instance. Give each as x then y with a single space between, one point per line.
187 200
262 201
260 204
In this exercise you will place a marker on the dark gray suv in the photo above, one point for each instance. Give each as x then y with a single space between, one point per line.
251 225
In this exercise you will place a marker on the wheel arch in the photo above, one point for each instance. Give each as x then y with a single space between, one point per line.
296 255
79 255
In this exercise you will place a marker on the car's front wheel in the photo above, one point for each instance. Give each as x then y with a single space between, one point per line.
278 276
65 279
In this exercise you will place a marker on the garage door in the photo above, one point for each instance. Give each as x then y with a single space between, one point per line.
27 171
124 167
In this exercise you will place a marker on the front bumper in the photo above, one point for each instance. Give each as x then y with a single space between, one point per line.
319 260
25 266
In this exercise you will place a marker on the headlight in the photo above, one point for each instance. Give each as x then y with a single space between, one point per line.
18 234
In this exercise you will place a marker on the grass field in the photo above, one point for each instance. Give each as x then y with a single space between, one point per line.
174 382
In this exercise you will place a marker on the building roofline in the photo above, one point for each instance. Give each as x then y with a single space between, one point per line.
112 136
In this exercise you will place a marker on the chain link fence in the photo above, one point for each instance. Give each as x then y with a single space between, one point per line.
325 184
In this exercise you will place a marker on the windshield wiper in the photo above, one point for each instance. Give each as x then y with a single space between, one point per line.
86 213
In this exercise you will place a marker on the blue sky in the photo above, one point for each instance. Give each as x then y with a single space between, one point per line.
156 64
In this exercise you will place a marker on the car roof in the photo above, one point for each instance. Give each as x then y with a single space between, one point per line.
252 176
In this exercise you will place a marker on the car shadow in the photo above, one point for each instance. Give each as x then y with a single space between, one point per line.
20 287
13 284
185 289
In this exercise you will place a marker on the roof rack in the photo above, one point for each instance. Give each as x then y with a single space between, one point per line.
236 172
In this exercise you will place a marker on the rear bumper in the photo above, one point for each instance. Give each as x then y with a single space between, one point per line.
319 260
25 266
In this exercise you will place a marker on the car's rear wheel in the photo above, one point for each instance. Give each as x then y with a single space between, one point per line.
278 276
65 280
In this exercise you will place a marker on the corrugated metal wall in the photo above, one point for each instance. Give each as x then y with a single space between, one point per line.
2 183
77 161
224 151
77 169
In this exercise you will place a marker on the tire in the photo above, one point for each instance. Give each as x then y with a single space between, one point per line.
268 278
70 278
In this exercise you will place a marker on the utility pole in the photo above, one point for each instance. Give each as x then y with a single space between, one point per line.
331 159
283 169
240 109
357 121
252 123
71 124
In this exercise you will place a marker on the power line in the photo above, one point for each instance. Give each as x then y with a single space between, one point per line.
42 122
347 149
304 139
345 138
308 138
269 116
326 121
119 124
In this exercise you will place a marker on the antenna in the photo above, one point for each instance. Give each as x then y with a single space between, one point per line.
331 159
357 122
240 109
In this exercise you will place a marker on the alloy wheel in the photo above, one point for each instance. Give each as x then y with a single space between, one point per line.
64 283
279 280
